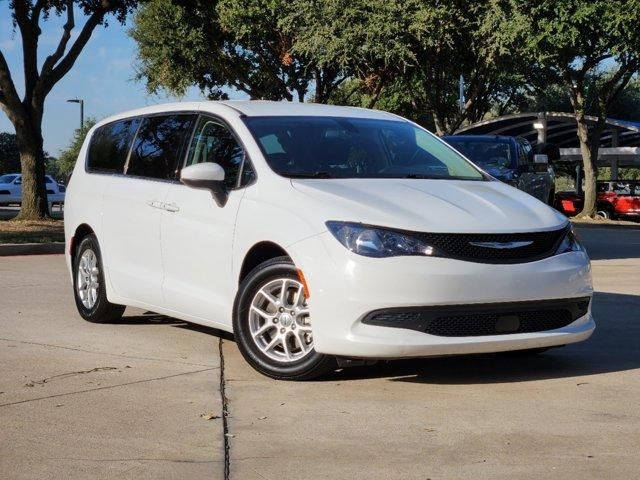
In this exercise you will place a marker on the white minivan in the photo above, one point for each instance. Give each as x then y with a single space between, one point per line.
317 235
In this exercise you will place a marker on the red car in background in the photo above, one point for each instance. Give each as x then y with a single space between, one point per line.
614 200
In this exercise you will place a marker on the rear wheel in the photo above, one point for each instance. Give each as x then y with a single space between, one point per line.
88 284
272 324
604 212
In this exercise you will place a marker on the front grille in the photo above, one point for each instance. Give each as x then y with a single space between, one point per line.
5 192
498 248
483 319
50 192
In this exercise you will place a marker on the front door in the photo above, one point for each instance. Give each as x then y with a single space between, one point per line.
197 234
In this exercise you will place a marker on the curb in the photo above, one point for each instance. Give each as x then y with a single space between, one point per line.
11 249
612 226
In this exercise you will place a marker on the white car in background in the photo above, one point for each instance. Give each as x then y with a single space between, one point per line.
315 233
11 190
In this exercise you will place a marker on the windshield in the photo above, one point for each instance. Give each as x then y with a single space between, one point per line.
488 155
7 178
337 147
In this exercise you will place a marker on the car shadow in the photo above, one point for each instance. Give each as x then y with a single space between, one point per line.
152 318
612 348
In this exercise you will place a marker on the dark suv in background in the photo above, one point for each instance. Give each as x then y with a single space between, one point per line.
511 160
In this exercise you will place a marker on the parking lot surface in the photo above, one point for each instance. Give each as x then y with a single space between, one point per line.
127 400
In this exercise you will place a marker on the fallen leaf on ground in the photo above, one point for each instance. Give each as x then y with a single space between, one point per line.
209 416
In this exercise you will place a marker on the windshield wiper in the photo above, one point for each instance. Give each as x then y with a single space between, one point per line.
310 175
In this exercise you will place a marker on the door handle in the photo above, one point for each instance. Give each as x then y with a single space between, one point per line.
154 203
171 207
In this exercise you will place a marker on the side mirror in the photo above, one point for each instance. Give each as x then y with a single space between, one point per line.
208 176
541 159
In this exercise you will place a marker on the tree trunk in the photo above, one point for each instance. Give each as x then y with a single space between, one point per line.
34 195
441 128
589 151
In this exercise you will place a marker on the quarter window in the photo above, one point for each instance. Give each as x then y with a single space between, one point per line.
213 142
110 146
157 149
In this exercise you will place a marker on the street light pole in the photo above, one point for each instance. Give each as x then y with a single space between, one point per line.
81 102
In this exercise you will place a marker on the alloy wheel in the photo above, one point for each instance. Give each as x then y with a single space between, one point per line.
279 321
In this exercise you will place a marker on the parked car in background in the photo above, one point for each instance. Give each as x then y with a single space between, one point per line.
510 160
615 199
11 190
316 234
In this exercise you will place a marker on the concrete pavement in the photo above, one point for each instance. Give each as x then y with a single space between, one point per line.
569 413
124 400
92 401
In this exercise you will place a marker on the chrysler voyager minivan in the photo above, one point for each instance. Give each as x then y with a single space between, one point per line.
317 235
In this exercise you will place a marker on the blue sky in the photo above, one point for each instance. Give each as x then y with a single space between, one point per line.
102 76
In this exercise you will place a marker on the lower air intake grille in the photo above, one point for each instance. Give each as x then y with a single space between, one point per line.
483 319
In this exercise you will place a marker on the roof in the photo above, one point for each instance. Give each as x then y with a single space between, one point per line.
257 108
561 129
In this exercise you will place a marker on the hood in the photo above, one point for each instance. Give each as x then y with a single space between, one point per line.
446 206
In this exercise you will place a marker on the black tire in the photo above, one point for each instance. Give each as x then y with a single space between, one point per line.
310 366
102 311
604 212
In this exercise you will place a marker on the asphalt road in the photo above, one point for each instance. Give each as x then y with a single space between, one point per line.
125 400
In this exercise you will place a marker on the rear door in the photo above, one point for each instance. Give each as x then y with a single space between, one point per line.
133 204
197 233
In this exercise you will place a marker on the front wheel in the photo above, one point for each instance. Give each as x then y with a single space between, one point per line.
88 284
272 324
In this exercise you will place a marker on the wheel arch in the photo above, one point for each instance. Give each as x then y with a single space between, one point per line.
81 231
259 253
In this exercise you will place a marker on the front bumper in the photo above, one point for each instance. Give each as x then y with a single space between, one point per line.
346 287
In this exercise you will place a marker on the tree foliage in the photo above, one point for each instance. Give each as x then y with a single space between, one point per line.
9 154
592 48
67 158
244 45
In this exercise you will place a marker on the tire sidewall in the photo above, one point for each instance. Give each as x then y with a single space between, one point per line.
247 291
93 314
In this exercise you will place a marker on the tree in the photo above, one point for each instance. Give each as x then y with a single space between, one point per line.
408 55
589 46
9 154
245 45
67 159
26 113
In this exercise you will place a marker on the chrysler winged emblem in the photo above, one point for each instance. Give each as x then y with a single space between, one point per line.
502 245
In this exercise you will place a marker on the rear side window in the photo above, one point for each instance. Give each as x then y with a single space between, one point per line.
110 146
157 149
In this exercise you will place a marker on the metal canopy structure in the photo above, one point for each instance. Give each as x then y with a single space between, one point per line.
619 142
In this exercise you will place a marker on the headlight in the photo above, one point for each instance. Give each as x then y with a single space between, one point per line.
377 242
570 243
